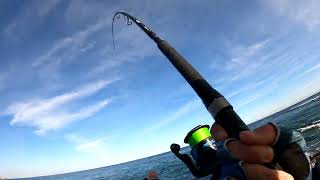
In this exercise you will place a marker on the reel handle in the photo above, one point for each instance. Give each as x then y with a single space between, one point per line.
186 159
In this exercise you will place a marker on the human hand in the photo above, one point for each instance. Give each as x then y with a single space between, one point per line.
254 148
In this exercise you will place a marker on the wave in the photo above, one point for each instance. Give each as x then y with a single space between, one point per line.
312 126
316 121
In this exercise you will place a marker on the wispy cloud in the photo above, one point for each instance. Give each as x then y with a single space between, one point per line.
248 87
70 47
304 12
54 113
132 45
241 55
310 70
86 145
179 113
244 58
259 62
91 146
75 138
251 99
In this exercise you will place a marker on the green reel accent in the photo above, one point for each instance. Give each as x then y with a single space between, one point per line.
197 135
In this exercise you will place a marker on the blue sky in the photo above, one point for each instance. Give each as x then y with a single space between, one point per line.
68 102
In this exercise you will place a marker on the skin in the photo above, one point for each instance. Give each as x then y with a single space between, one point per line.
254 148
152 175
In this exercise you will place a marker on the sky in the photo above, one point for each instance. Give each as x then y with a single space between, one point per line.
70 102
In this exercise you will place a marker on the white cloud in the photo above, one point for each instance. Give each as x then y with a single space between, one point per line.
242 54
92 146
258 62
245 59
70 47
75 138
310 70
55 121
53 113
181 111
83 144
305 12
251 99
131 44
248 87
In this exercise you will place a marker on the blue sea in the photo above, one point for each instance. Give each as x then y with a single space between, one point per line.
303 116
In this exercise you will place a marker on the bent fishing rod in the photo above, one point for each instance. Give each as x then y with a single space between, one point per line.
220 109
217 105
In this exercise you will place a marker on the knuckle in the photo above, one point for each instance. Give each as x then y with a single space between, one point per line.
241 152
250 153
265 154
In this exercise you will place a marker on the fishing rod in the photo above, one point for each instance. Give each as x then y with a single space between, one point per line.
216 104
220 109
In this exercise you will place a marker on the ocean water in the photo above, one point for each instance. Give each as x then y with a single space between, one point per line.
303 116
